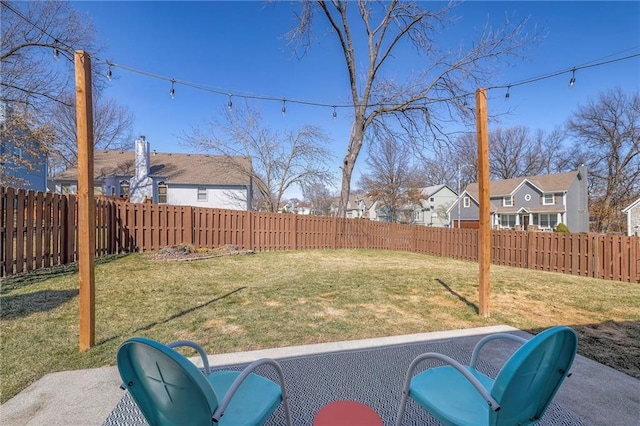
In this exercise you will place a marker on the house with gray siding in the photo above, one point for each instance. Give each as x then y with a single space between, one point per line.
633 218
530 203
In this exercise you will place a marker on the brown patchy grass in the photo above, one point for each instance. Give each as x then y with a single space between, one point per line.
281 299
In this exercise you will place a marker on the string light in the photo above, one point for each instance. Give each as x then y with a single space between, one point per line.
109 73
68 49
573 78
284 107
230 104
335 113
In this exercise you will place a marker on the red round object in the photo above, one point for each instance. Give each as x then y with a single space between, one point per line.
347 413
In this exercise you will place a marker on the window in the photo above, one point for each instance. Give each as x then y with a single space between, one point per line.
508 221
162 193
466 202
432 200
124 189
548 220
507 201
202 193
527 197
547 199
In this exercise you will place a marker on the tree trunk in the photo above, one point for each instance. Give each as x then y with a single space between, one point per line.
355 143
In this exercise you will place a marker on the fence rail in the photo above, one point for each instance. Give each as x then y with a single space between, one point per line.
39 230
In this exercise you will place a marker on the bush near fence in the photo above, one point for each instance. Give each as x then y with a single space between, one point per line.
39 230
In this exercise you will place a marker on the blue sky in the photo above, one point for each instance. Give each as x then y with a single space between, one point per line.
239 47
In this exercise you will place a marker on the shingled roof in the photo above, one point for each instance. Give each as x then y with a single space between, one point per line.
199 169
547 183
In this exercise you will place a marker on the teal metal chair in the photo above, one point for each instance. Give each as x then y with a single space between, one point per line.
519 395
170 390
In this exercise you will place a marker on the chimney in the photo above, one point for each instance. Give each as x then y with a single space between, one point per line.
142 158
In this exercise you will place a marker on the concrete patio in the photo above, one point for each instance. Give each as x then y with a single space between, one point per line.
595 393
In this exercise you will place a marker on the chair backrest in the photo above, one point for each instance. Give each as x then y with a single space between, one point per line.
167 387
529 380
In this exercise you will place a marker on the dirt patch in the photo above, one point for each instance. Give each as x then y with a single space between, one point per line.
616 344
187 253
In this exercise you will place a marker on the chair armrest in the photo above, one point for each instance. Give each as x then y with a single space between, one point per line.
493 404
487 339
198 348
238 381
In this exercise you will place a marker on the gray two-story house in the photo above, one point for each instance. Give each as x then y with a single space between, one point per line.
534 202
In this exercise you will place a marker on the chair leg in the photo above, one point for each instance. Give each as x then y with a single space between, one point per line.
405 393
285 405
403 406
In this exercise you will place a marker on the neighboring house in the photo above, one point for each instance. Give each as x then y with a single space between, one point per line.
357 207
296 207
24 171
179 179
633 218
433 209
536 202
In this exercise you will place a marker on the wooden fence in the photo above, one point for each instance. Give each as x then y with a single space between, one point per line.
40 230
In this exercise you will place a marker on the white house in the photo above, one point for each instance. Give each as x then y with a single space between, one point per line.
197 180
432 211
633 218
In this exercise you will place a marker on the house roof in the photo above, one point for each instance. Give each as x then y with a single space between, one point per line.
432 190
631 206
547 183
174 168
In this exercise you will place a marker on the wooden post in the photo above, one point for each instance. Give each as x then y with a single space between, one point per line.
86 202
484 234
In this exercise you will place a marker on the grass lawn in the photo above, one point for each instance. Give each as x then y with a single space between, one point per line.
275 299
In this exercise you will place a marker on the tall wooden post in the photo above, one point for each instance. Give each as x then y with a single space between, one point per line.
484 232
86 202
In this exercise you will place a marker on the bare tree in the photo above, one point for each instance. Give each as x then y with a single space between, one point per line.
393 179
607 135
33 35
558 156
112 129
38 40
22 130
318 195
514 152
422 102
280 161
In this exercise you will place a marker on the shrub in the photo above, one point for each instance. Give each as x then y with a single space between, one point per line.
562 228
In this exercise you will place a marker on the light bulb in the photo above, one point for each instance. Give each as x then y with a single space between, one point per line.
507 94
284 108
172 91
56 54
335 113
573 78
230 104
109 73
